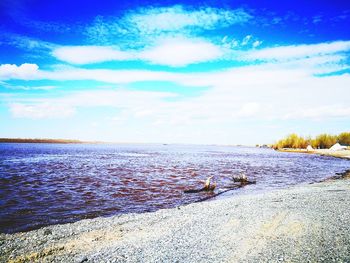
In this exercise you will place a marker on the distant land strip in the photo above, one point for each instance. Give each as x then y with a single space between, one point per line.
21 140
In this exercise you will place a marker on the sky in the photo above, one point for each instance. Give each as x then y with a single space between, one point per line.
201 72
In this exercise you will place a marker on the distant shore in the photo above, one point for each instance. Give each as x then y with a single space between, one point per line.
25 140
306 223
324 152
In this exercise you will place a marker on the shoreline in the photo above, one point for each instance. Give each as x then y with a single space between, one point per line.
302 223
344 154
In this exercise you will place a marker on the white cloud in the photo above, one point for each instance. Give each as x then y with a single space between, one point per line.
120 98
246 43
41 110
26 43
25 71
316 19
21 87
255 94
150 20
108 75
66 106
89 54
146 23
175 52
320 112
248 110
246 40
31 72
275 83
256 43
267 91
297 51
181 52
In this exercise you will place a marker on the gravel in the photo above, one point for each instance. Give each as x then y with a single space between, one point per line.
307 223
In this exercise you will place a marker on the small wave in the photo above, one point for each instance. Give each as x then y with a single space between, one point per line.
49 184
133 154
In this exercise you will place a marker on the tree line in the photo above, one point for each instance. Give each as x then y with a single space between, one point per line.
20 140
322 141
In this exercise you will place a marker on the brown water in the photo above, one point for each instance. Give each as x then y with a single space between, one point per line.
43 184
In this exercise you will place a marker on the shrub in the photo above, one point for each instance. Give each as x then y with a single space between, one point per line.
322 141
292 141
344 138
325 141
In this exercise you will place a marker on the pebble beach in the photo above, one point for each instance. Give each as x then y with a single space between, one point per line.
306 223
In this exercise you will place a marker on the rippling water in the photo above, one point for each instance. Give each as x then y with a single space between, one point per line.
43 184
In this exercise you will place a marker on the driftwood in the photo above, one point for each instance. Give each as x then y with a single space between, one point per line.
233 187
246 182
239 181
242 179
207 187
204 189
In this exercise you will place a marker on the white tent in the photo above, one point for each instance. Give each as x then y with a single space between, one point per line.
309 148
337 147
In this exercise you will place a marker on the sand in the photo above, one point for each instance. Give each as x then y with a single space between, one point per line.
345 154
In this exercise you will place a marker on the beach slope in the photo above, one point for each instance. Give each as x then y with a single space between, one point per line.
300 224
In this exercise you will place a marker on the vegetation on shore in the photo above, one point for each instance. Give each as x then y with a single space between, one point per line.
322 141
18 140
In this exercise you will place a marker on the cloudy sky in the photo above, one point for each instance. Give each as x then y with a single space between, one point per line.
238 72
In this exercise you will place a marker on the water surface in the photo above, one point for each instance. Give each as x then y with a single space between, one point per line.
43 184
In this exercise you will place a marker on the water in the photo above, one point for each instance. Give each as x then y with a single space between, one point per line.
43 184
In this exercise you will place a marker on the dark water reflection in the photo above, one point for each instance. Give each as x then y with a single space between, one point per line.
43 184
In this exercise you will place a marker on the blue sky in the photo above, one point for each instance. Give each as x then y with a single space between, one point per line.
238 72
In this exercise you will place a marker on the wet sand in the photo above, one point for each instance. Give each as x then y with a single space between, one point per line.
301 224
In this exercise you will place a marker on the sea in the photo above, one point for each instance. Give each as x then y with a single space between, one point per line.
44 184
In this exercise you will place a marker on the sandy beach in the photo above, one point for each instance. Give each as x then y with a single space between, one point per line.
307 223
340 154
345 154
